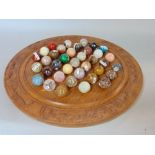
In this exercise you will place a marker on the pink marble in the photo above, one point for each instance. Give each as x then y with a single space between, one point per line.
59 76
110 57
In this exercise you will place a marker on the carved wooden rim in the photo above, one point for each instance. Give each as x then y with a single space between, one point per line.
97 106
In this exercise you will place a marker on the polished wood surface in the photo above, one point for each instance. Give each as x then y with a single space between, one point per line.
75 109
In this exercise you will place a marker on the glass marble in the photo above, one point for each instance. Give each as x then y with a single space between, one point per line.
92 59
75 62
116 67
46 60
77 47
59 76
84 87
56 64
71 52
84 42
110 57
88 50
52 46
104 48
93 46
67 68
79 73
92 78
71 81
43 51
81 56
86 65
99 70
64 58
54 54
104 63
36 67
67 43
37 80
47 71
36 56
61 90
61 48
111 74
104 82
49 85
98 53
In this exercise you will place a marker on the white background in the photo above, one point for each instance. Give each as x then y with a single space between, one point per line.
136 36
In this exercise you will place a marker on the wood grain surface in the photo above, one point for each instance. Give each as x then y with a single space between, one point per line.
75 109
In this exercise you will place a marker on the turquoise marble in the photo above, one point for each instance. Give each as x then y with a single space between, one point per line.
104 48
37 80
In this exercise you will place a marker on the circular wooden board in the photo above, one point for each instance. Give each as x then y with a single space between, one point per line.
75 109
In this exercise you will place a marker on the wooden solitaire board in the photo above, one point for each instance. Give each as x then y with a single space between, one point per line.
75 109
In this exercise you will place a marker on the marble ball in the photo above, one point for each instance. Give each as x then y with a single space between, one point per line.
86 65
92 78
110 57
56 64
67 68
93 46
99 70
75 62
49 85
104 82
84 87
64 58
84 42
59 76
71 52
81 56
36 67
44 51
52 46
61 90
61 48
104 48
116 67
79 73
68 43
36 56
54 54
98 53
111 74
46 60
71 81
37 80
92 59
104 63
88 50
77 47
47 71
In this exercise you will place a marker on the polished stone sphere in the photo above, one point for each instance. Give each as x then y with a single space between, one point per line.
64 58
46 60
47 71
84 87
59 76
79 73
71 81
37 80
44 51
49 85
36 67
67 68
56 64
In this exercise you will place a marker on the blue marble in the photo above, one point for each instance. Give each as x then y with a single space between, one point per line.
116 67
104 48
37 80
